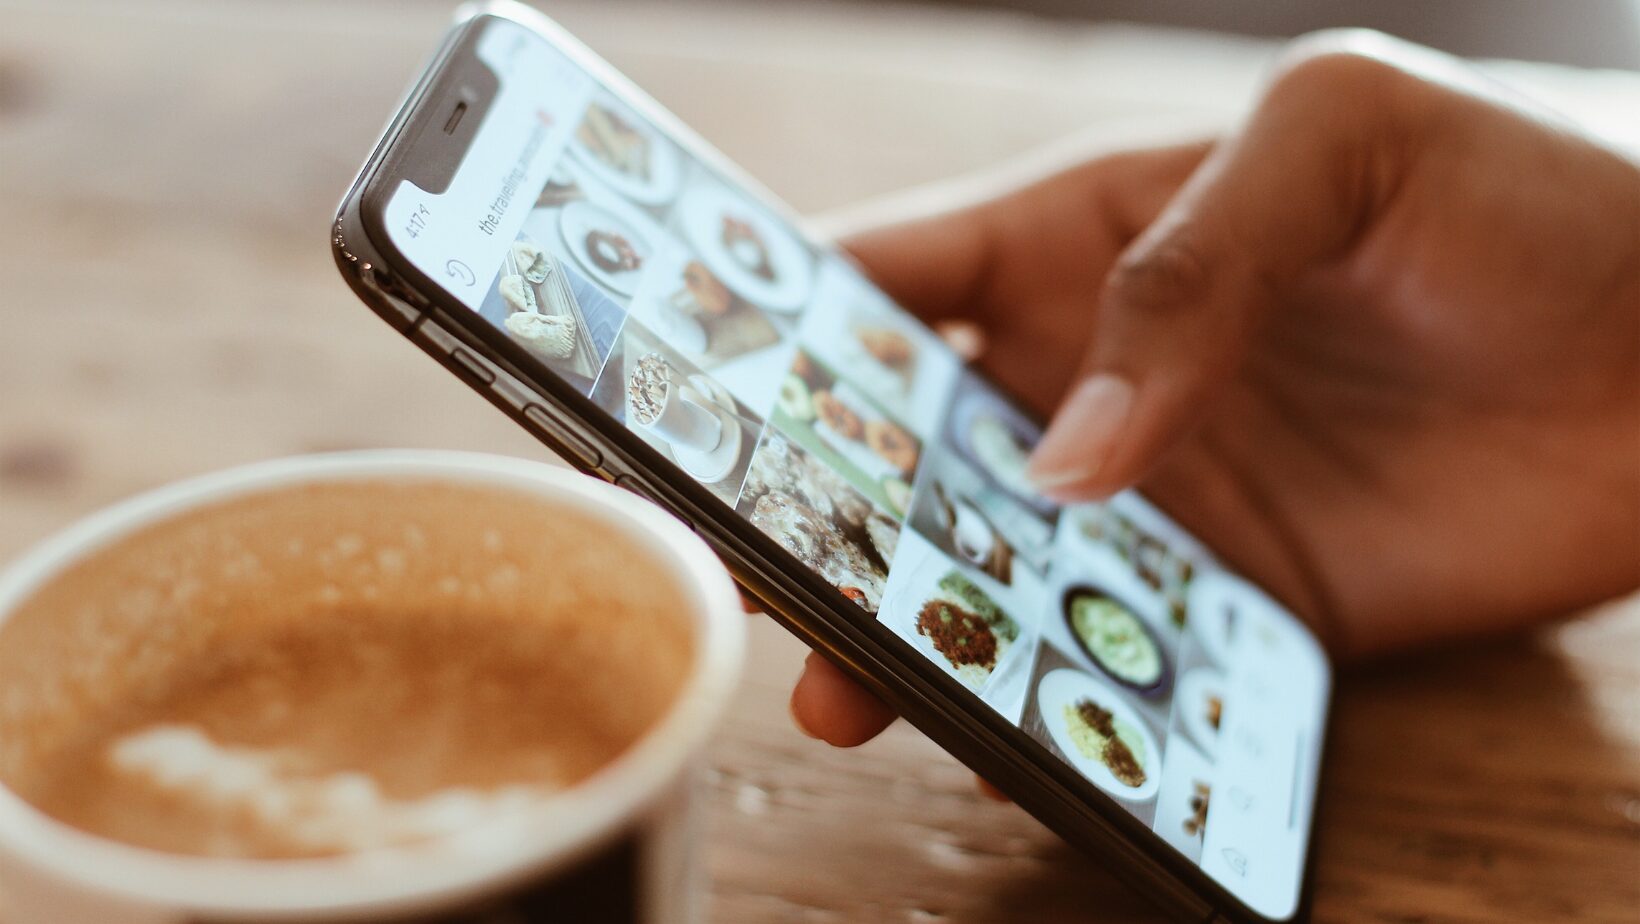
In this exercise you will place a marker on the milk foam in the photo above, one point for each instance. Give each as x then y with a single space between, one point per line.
334 812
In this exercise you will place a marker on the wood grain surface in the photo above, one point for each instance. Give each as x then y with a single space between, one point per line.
168 306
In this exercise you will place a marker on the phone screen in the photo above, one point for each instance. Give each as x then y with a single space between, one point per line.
771 371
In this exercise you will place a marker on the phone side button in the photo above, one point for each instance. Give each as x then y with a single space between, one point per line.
476 368
584 455
636 486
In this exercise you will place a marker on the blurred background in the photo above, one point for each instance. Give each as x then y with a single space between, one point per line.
168 306
1593 33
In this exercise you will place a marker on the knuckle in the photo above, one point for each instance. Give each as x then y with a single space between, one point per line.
1351 95
1167 278
1335 66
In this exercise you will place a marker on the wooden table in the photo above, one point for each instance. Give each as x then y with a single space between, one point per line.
167 306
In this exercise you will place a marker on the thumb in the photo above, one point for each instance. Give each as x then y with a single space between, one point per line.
1179 308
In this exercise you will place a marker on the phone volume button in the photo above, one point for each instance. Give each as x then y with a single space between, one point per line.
479 370
582 454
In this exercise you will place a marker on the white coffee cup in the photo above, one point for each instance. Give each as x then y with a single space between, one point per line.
623 845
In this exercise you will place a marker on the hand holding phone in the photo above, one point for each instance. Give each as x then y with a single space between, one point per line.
1307 434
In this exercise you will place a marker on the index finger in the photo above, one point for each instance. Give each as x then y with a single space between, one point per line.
932 265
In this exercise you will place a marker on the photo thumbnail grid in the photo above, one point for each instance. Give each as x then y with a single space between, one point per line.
780 379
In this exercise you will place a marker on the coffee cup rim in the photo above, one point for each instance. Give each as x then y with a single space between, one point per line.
558 830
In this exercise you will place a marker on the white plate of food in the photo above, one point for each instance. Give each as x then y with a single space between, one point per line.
626 153
611 242
877 446
1000 443
1118 641
959 626
1200 702
753 253
971 534
883 354
1100 734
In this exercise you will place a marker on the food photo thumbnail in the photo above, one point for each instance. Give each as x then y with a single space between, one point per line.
1184 803
678 409
973 520
755 254
815 514
686 304
626 153
1115 639
996 438
857 331
554 312
839 423
978 631
1098 731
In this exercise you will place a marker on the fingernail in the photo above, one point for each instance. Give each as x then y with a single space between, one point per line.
1083 434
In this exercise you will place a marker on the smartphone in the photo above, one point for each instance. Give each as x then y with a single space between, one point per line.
568 248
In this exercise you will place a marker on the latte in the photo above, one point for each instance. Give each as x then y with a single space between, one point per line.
330 668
